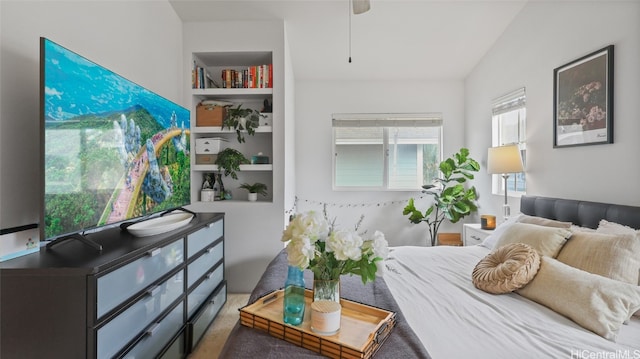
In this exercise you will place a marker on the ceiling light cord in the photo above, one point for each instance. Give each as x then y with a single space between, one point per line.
349 8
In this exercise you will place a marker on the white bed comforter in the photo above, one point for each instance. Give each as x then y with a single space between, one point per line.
453 319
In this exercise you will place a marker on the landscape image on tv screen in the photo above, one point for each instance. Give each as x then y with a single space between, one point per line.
113 150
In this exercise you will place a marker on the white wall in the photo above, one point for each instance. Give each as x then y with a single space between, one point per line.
317 100
140 40
544 36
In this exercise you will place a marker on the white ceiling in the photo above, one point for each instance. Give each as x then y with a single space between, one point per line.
396 39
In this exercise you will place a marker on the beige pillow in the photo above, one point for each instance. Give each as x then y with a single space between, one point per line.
615 228
546 240
575 228
615 256
543 221
596 303
506 269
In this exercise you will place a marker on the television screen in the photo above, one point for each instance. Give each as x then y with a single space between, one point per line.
113 150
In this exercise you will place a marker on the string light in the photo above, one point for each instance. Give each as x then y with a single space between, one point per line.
323 204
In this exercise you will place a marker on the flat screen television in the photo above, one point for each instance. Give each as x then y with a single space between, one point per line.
113 151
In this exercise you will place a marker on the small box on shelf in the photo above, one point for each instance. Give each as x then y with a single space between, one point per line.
202 159
207 115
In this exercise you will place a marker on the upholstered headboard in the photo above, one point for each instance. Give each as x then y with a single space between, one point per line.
580 213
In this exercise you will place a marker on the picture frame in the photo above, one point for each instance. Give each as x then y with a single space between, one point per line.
583 100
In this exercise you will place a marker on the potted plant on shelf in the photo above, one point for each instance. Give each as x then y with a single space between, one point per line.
451 199
229 161
241 119
254 190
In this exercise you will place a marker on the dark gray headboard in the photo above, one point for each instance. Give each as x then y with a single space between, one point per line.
580 213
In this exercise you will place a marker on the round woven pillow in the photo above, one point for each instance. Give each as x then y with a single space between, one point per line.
506 269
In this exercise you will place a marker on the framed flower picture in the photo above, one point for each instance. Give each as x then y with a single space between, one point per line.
583 100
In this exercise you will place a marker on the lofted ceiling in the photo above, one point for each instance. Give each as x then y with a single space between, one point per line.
395 40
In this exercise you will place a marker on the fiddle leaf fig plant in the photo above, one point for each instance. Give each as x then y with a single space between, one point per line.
451 199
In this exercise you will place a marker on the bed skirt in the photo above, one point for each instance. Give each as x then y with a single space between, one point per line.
247 342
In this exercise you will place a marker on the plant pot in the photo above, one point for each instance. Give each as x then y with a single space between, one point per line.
252 197
449 239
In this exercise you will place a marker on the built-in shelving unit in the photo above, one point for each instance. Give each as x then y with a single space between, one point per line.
255 227
214 64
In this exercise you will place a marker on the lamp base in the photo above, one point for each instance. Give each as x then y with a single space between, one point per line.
506 212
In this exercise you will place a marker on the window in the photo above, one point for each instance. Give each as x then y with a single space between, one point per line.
508 124
386 151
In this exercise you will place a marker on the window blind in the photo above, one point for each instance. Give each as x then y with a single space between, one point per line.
509 102
386 120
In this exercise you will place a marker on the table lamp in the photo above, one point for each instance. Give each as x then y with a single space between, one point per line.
504 160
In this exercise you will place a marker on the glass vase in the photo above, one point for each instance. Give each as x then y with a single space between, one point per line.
326 290
294 302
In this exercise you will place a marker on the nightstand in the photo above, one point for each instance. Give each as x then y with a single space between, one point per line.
472 234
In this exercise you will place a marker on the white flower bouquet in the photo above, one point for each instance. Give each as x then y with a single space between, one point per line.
328 253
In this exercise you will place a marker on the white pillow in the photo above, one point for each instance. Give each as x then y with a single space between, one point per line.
605 226
490 241
597 303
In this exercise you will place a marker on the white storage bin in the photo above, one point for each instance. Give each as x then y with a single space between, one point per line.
208 146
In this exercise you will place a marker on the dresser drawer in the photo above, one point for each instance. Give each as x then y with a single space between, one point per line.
177 348
112 337
201 321
204 237
124 282
202 264
157 335
198 296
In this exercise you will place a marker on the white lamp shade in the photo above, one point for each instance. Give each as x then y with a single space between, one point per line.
504 159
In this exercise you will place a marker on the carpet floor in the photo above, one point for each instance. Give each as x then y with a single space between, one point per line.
215 337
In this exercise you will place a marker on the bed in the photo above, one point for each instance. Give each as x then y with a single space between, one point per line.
441 314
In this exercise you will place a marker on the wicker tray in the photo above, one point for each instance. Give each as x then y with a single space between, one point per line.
363 328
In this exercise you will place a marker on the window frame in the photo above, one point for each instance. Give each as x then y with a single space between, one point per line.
510 102
386 121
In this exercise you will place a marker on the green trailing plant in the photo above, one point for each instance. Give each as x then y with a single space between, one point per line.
259 188
451 199
229 161
241 119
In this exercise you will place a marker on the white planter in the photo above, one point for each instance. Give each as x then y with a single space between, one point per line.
207 195
252 197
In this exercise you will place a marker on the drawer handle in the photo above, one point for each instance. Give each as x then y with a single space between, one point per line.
209 275
210 249
476 238
152 329
153 291
154 252
210 225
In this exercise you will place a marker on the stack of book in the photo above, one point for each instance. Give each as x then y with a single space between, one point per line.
200 78
260 76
